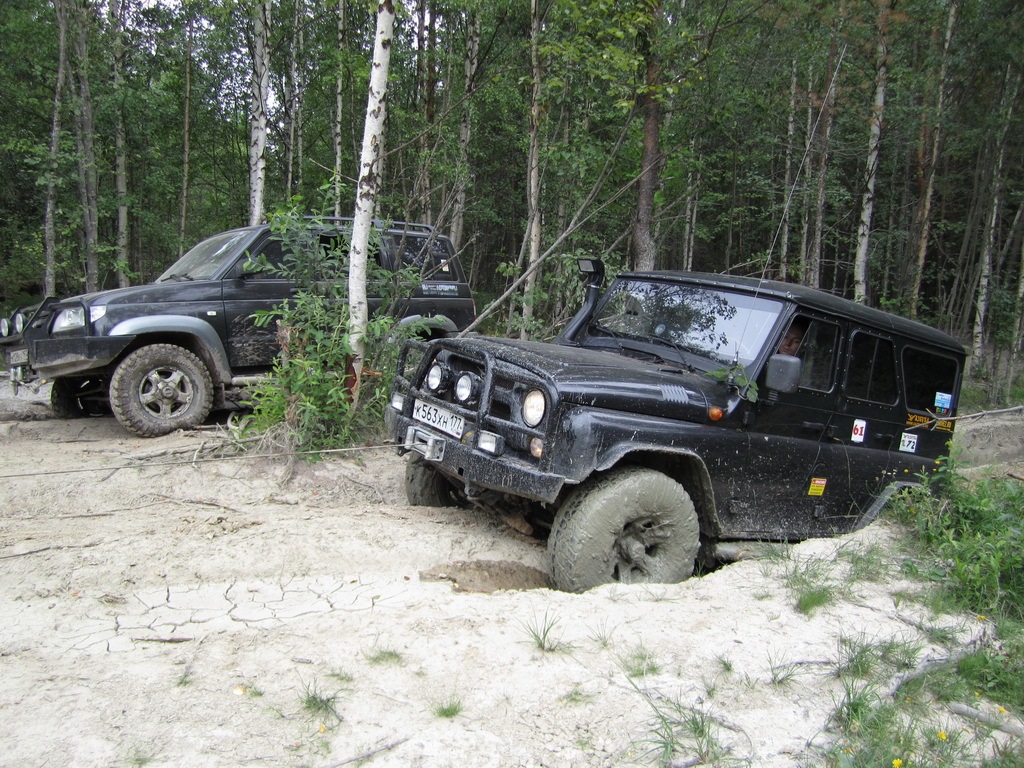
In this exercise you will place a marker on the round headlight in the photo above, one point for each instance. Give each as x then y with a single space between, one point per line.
5 327
534 405
19 323
465 388
435 377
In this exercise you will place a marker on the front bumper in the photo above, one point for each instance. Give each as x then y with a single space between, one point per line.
460 459
52 358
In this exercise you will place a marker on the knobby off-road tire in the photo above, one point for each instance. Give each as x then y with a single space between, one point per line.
160 388
426 487
633 525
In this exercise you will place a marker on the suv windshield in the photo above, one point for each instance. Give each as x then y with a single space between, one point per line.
205 258
718 325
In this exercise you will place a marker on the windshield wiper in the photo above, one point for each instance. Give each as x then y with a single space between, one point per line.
178 277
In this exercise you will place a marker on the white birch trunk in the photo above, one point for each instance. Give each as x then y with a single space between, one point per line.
867 207
789 183
186 136
368 185
115 15
339 107
259 96
470 66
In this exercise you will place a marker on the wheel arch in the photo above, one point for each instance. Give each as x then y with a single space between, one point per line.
193 334
689 470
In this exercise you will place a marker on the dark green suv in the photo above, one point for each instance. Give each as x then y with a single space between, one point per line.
161 356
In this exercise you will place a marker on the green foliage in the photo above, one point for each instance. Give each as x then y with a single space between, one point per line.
311 390
975 530
736 376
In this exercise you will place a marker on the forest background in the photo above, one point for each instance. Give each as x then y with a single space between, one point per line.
873 148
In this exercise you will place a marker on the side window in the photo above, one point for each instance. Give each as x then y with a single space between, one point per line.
267 262
929 381
872 370
818 351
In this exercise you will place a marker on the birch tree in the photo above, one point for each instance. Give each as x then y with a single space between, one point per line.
116 11
867 206
88 181
259 98
49 223
368 187
533 171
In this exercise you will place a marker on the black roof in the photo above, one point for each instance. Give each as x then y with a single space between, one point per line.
813 298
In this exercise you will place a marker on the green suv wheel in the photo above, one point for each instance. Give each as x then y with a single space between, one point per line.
160 388
633 525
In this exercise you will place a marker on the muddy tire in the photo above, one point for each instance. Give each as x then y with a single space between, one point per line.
160 388
426 487
77 398
633 525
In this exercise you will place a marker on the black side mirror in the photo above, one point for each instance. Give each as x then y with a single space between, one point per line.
783 373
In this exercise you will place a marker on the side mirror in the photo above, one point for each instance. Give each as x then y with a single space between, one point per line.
783 373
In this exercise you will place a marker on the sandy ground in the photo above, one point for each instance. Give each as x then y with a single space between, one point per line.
160 611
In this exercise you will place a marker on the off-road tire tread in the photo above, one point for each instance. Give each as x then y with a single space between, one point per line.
425 486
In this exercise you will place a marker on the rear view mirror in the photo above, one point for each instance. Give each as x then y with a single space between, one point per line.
783 374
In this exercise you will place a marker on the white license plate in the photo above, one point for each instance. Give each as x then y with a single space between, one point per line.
18 357
439 418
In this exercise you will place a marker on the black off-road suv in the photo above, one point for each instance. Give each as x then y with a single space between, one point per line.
676 412
161 356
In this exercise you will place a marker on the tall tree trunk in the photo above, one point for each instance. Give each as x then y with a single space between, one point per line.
813 275
533 171
867 205
49 223
368 186
470 67
258 118
979 336
88 184
692 198
115 15
933 133
293 96
790 183
339 106
186 131
805 229
649 103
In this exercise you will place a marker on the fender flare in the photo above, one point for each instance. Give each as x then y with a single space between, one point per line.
434 322
210 345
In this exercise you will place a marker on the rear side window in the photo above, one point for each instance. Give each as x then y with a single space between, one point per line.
929 381
872 372
429 254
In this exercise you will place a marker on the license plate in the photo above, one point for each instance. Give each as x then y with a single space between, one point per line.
439 418
18 357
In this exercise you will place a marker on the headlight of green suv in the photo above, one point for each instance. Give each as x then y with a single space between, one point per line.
69 318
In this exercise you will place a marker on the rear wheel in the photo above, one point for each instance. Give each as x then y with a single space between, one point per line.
75 398
426 487
161 388
633 525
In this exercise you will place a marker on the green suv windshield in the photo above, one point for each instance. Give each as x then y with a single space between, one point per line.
721 326
207 257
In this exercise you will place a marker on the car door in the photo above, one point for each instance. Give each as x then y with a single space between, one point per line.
256 284
795 476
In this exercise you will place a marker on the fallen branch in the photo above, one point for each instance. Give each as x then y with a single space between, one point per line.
367 755
47 549
998 723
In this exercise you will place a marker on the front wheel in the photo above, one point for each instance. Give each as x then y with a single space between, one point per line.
426 487
160 388
633 525
75 398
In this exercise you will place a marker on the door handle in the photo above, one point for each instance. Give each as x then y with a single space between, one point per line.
813 426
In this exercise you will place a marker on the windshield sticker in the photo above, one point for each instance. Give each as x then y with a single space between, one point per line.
860 430
943 403
920 420
908 443
817 487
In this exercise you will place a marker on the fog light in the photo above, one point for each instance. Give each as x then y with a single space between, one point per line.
490 442
536 447
398 401
434 377
466 388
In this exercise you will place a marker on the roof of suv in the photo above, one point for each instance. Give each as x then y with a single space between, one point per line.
813 298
